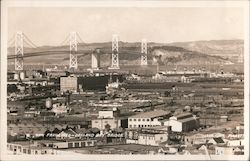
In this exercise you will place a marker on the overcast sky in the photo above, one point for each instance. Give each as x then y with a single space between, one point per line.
50 26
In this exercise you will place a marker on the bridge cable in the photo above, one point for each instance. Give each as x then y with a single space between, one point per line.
26 37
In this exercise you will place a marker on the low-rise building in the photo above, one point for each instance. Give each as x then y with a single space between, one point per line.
217 141
110 113
148 119
71 143
183 122
200 138
106 123
152 138
234 142
28 147
58 109
66 134
224 150
32 129
107 119
149 136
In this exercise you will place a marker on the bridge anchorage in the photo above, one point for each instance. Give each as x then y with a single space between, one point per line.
95 59
241 56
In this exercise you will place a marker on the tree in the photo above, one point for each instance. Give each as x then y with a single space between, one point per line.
46 133
107 127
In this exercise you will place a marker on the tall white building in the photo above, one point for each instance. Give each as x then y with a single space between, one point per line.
68 84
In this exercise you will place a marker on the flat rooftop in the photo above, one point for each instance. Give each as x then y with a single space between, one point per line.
151 114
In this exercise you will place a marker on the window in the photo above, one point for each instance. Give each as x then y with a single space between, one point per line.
70 145
161 138
134 119
130 126
142 126
139 125
139 119
36 152
11 148
147 119
134 125
143 119
89 143
130 119
77 145
83 144
96 122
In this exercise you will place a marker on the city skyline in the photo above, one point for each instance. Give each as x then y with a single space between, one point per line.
99 24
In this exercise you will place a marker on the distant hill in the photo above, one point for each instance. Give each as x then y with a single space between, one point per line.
198 52
223 48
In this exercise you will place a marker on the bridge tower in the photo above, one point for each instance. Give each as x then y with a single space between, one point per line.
73 49
115 53
144 51
19 51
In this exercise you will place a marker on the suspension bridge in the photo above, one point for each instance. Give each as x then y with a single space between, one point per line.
20 40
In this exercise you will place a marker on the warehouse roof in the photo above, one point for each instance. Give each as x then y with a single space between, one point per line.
187 119
183 115
151 114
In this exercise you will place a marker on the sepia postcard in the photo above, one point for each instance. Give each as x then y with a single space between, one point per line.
124 80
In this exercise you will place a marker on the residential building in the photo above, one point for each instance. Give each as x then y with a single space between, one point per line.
66 134
58 108
217 141
200 138
32 129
